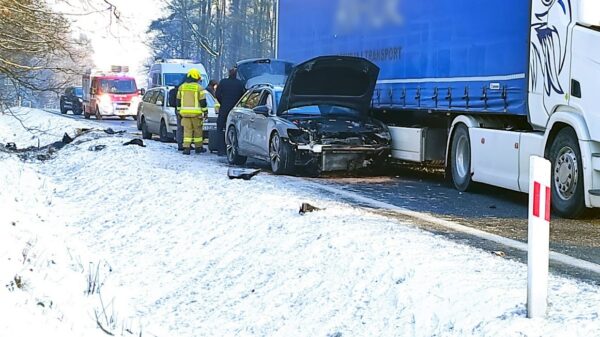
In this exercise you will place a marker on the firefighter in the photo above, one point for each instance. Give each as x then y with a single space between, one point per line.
191 101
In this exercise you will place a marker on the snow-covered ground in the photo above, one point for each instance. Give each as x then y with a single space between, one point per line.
181 250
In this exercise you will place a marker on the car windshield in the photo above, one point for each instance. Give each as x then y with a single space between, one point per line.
210 100
173 80
322 110
257 68
118 86
78 92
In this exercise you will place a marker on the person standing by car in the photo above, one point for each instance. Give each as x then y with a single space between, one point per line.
191 102
229 91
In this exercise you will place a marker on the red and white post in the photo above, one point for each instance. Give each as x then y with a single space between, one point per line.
538 236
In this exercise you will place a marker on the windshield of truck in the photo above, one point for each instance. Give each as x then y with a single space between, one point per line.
257 68
118 86
78 92
173 80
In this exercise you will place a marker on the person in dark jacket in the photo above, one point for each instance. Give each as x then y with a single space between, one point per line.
229 91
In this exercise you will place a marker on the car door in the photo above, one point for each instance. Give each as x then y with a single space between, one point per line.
150 111
259 125
157 110
246 115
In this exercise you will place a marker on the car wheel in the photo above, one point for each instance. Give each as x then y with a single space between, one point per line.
77 111
460 158
145 133
86 115
233 156
163 134
98 115
280 155
567 175
62 109
138 120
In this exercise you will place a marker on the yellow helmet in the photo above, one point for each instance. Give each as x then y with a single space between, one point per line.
194 74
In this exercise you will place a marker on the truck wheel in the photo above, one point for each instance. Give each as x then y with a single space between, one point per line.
567 175
145 133
460 158
281 155
233 156
98 115
163 134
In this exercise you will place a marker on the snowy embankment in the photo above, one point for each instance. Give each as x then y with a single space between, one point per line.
184 251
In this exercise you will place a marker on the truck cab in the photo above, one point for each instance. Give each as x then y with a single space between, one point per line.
108 94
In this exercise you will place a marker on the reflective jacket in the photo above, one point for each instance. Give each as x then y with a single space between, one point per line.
192 100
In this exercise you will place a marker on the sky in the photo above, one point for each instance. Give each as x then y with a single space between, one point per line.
116 42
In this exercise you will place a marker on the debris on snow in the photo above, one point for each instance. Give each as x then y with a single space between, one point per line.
306 207
240 173
97 148
135 141
499 253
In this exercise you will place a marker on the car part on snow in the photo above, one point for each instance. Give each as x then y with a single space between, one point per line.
306 207
11 146
240 173
67 139
110 131
135 141
97 148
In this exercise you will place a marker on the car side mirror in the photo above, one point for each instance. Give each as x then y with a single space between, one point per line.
142 91
262 110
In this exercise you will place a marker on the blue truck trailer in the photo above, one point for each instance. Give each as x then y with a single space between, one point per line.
479 86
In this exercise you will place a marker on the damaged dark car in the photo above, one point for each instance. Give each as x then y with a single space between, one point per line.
319 120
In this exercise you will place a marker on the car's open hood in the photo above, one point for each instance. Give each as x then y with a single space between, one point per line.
330 80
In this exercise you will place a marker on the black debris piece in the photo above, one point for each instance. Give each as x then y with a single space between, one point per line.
241 173
135 141
96 148
306 207
110 131
67 139
11 146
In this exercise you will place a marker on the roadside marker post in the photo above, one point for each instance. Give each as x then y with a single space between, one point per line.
538 240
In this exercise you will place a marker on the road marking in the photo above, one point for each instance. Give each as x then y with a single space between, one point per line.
554 256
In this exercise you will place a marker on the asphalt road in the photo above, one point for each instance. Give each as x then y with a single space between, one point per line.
487 208
493 210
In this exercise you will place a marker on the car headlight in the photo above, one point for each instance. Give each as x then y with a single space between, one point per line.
298 136
80 100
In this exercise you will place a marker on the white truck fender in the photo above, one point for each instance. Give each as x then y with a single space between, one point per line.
576 121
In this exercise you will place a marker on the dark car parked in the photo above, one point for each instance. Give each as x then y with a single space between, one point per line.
72 100
319 120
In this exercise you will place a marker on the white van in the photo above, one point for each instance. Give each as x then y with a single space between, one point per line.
171 72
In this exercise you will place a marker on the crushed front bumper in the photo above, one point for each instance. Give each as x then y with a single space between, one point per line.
339 157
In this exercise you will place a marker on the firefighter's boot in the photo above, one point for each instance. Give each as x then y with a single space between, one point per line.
186 151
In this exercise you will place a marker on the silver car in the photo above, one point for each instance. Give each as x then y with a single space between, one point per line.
155 116
318 120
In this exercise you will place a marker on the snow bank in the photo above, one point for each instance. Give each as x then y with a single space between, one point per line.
196 254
